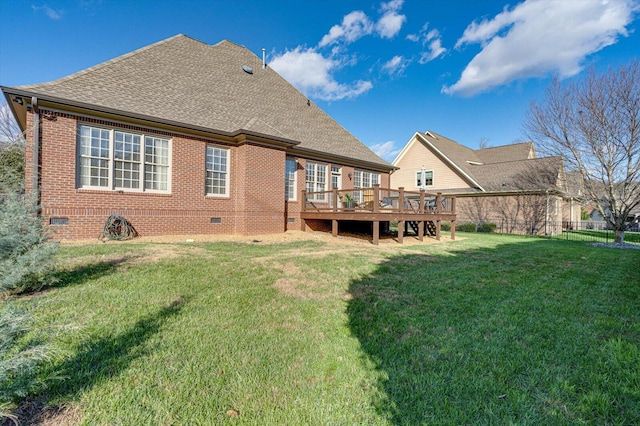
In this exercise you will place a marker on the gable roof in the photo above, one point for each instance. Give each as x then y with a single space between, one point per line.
508 168
501 154
188 83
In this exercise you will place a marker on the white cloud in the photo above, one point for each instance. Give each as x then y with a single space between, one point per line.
395 66
311 73
431 40
354 26
385 150
391 21
538 37
52 14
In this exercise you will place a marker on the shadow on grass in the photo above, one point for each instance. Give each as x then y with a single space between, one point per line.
517 334
99 359
61 278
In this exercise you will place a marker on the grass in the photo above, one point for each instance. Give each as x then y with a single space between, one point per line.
599 236
488 329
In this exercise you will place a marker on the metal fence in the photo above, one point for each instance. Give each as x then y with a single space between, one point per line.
572 231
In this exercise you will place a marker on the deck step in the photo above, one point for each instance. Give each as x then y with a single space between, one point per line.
430 227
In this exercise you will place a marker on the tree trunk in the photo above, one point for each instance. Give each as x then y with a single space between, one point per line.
619 236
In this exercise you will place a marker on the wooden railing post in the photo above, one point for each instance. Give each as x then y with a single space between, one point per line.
401 199
438 202
376 198
421 209
453 204
335 199
303 198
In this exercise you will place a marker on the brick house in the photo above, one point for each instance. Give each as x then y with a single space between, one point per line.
181 137
507 184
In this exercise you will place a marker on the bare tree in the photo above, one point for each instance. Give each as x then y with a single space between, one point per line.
483 143
594 124
12 152
10 132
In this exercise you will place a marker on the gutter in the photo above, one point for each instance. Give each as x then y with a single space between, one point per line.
36 144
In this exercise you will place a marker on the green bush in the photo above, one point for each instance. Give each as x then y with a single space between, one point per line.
487 227
445 226
466 227
26 251
12 169
20 355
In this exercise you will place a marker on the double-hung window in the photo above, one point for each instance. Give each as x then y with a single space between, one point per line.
428 178
316 180
363 179
119 160
217 171
290 179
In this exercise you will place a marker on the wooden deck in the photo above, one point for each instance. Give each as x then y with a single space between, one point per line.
420 210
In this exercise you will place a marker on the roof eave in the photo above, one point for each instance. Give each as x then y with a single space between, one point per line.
239 136
450 162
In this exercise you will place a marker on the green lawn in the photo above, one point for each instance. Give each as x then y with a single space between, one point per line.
488 329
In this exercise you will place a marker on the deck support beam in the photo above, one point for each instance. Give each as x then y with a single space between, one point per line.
376 232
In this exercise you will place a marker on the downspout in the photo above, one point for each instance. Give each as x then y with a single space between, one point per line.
36 144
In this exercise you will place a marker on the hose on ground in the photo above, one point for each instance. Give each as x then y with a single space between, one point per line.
118 228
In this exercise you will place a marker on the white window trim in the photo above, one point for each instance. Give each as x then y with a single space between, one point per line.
111 161
317 197
228 172
418 178
295 180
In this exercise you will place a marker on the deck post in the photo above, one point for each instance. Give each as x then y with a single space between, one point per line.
400 231
376 232
401 199
376 198
439 202
453 229
335 199
421 209
334 227
421 230
303 200
453 204
438 229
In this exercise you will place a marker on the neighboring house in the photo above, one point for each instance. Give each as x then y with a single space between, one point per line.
505 184
181 137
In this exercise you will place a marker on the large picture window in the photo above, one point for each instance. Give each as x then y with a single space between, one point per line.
113 159
316 180
290 179
217 171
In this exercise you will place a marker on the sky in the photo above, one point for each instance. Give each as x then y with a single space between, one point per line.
466 69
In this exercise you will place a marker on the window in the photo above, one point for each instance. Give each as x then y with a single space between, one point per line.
362 179
316 180
217 171
428 178
112 159
290 179
336 177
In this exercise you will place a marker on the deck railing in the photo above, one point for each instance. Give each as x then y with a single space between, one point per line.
378 200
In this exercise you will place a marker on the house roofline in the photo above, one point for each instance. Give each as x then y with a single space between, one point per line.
238 136
312 154
451 163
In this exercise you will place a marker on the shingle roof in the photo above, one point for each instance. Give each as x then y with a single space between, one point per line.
501 154
182 80
499 169
523 175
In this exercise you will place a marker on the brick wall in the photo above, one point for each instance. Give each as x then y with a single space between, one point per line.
255 204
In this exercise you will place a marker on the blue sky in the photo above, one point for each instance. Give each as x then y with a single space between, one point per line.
466 69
